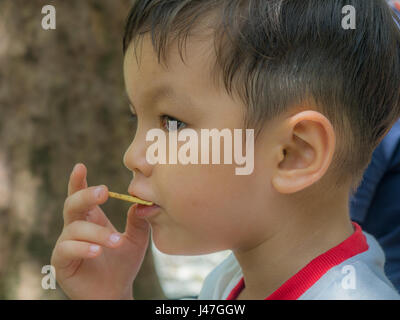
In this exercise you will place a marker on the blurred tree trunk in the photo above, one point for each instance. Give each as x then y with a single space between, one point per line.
61 102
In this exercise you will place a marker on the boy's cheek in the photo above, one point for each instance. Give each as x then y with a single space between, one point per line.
210 214
196 188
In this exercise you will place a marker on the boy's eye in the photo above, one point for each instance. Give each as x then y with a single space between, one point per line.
133 118
166 123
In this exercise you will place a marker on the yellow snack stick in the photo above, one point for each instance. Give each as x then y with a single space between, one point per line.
129 198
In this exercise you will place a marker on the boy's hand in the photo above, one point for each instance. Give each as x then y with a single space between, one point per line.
90 261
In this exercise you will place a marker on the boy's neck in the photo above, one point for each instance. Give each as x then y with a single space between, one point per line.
292 246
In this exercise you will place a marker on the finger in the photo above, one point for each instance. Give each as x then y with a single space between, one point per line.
78 204
90 232
97 216
69 250
137 230
77 180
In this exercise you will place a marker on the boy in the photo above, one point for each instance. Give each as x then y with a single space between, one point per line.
320 97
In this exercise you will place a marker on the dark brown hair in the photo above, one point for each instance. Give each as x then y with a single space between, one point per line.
276 54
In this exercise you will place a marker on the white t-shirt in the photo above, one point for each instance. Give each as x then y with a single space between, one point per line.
354 269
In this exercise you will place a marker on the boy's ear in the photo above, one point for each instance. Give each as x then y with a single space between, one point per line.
306 153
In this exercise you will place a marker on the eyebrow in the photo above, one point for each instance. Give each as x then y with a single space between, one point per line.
160 92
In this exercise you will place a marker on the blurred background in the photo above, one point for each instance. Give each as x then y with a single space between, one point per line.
62 101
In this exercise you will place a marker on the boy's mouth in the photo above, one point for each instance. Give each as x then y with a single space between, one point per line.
137 195
144 211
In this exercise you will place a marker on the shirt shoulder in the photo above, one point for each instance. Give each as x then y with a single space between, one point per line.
221 280
361 277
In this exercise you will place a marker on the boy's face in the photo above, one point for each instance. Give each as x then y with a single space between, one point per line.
203 207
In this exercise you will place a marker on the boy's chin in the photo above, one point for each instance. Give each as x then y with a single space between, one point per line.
167 245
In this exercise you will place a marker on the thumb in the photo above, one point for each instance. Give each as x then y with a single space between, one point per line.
137 229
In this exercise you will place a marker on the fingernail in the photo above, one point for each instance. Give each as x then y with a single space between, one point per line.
114 238
98 192
94 248
76 166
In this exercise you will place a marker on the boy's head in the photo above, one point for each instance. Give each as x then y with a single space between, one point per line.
320 98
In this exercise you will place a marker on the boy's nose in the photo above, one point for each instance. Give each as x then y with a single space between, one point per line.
135 158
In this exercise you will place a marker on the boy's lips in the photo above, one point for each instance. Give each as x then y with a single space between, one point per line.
138 195
144 211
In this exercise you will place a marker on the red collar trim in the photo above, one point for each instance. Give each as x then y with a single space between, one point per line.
295 286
